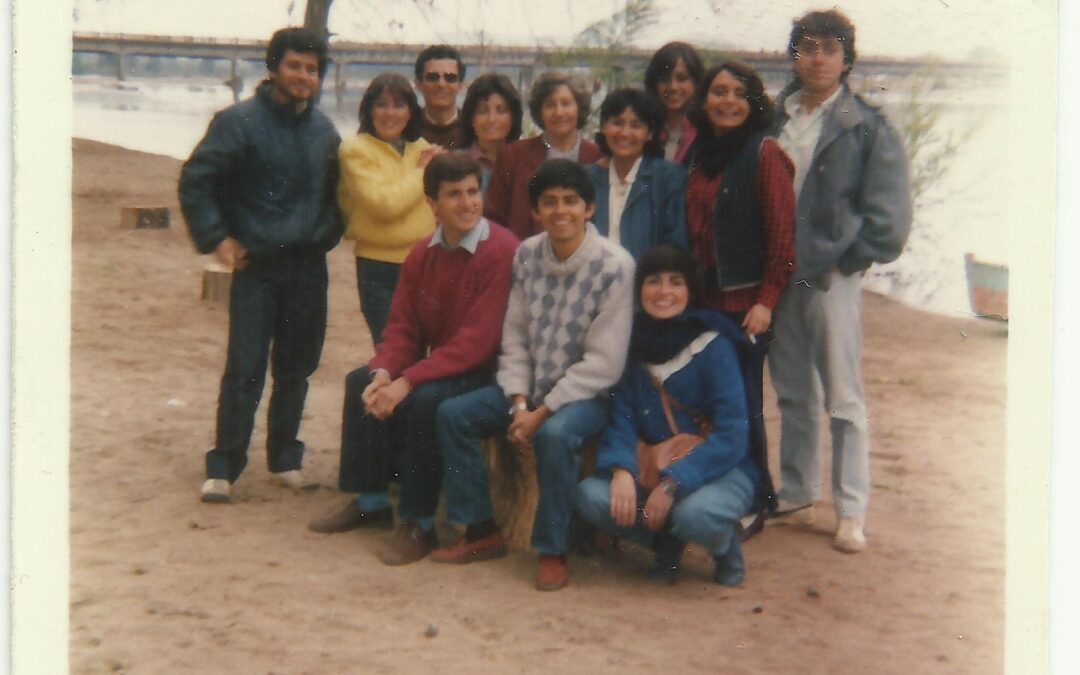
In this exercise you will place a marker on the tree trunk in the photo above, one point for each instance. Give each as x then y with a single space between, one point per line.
317 16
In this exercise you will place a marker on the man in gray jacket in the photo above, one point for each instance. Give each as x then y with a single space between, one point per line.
259 192
853 209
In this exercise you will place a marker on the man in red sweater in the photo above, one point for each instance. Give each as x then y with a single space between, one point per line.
442 340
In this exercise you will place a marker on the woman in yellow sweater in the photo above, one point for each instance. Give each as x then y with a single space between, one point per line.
381 191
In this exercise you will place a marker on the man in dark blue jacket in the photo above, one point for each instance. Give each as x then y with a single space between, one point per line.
259 192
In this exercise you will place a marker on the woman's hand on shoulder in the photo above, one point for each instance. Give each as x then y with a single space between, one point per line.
623 498
428 154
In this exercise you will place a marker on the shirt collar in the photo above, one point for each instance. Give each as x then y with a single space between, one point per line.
793 103
469 242
613 175
555 153
437 125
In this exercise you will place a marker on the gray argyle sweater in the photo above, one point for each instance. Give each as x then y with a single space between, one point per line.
567 325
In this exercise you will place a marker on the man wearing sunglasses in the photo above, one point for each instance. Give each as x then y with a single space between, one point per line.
439 74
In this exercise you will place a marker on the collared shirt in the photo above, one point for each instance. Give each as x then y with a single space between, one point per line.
486 165
618 191
571 154
671 146
469 242
802 131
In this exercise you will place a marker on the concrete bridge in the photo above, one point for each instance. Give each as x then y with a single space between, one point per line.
521 63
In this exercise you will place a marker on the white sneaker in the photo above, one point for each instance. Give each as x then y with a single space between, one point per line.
215 491
849 536
294 480
795 515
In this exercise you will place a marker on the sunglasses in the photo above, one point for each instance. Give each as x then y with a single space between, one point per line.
449 78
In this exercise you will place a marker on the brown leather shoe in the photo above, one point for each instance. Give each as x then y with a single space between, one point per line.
408 544
351 518
461 551
551 573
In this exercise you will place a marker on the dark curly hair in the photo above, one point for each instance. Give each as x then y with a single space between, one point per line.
761 106
646 107
480 90
546 85
301 41
398 87
561 173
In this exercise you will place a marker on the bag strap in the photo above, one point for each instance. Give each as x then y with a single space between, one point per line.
665 403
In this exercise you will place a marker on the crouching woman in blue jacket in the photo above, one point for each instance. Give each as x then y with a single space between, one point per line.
674 464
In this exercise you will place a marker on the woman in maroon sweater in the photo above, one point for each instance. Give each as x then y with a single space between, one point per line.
559 104
740 203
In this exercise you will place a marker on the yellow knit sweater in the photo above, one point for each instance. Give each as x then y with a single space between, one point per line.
382 196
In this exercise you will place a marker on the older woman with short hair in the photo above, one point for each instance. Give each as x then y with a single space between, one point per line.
559 104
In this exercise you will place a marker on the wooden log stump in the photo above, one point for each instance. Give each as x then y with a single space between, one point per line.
514 490
216 283
144 217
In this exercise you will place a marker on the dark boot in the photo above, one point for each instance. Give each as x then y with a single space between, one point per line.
669 550
730 568
351 518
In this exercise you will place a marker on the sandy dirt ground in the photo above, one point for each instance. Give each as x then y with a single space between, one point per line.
161 583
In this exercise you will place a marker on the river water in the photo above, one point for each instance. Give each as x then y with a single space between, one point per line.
962 212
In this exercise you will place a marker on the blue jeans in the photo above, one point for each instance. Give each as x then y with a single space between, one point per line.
372 450
463 422
376 281
708 516
278 300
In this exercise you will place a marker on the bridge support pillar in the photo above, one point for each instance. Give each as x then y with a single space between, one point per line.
235 83
339 85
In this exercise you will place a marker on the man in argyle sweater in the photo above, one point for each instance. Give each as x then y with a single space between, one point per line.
564 344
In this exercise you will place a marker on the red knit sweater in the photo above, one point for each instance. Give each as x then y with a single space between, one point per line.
451 303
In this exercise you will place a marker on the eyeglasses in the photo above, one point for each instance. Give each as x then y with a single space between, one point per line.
449 78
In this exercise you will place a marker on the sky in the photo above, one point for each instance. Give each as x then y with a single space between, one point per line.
951 29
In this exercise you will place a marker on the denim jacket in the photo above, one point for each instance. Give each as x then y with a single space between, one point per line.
655 211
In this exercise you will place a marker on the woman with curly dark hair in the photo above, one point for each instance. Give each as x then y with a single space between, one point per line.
490 118
740 203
